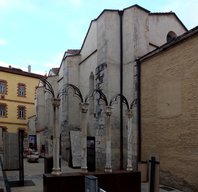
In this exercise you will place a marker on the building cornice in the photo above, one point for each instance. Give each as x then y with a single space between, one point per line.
23 73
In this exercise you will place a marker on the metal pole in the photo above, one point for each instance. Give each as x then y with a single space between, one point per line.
152 174
21 168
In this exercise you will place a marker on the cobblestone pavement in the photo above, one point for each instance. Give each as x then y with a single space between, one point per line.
34 172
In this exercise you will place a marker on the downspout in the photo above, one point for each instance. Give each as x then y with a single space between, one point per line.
139 109
121 92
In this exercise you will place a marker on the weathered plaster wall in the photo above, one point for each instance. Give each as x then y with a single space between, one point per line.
85 70
49 114
69 110
40 108
161 25
135 44
107 79
31 126
90 44
169 113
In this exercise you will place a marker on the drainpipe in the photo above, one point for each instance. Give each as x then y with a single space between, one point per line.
139 110
121 92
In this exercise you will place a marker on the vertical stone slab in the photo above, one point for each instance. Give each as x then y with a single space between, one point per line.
1 145
10 151
75 140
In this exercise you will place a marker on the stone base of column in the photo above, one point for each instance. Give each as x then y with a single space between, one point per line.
129 168
84 170
56 172
108 169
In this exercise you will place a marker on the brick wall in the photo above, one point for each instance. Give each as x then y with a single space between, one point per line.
169 113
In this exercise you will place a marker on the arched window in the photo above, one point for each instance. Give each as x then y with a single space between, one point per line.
170 36
91 87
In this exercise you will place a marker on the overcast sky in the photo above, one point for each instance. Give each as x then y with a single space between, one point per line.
38 32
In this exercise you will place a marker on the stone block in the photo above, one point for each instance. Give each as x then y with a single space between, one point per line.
102 73
101 120
101 107
96 70
115 161
96 125
102 132
99 138
101 79
104 65
101 86
97 81
100 161
100 145
97 108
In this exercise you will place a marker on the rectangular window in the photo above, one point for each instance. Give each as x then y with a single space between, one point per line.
2 87
21 90
2 110
21 113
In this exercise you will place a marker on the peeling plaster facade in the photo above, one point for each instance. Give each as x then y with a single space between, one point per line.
97 65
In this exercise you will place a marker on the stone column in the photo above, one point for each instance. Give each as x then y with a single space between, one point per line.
108 111
84 109
56 135
129 114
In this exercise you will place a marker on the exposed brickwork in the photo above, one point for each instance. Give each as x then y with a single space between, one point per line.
169 113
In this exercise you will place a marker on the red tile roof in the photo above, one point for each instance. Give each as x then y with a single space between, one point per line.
55 70
73 51
20 72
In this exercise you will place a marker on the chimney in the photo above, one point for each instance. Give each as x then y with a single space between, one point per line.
10 67
29 68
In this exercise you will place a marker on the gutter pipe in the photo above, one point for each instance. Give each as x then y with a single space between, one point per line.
121 92
139 109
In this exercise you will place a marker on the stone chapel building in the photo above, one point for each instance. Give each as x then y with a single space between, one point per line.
105 61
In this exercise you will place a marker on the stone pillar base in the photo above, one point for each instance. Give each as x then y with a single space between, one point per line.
129 168
108 169
56 172
84 170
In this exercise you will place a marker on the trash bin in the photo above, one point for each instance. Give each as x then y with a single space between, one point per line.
91 183
142 167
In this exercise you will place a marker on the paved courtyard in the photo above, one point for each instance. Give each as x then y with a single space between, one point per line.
34 172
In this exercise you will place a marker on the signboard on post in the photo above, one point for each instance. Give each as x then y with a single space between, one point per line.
10 151
91 153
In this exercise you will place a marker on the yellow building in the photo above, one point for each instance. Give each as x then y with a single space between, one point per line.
17 94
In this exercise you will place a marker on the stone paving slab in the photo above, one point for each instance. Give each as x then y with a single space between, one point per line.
163 188
34 172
